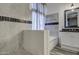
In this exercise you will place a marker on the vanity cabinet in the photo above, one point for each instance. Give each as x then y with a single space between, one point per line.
70 40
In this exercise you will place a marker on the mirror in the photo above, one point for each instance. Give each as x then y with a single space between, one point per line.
71 18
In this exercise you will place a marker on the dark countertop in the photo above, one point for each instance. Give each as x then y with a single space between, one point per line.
70 30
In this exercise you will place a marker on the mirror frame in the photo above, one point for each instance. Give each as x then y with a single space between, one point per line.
65 17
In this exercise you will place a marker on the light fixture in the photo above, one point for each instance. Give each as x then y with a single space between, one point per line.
72 7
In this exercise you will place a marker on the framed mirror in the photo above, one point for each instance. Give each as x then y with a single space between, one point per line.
71 18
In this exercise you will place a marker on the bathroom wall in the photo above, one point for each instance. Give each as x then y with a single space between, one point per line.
11 32
52 24
59 8
15 10
10 36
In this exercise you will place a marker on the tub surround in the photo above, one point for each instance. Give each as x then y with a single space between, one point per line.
36 41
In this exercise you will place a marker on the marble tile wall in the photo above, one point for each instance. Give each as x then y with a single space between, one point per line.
10 36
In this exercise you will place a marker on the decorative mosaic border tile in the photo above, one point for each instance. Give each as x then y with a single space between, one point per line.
52 23
10 19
